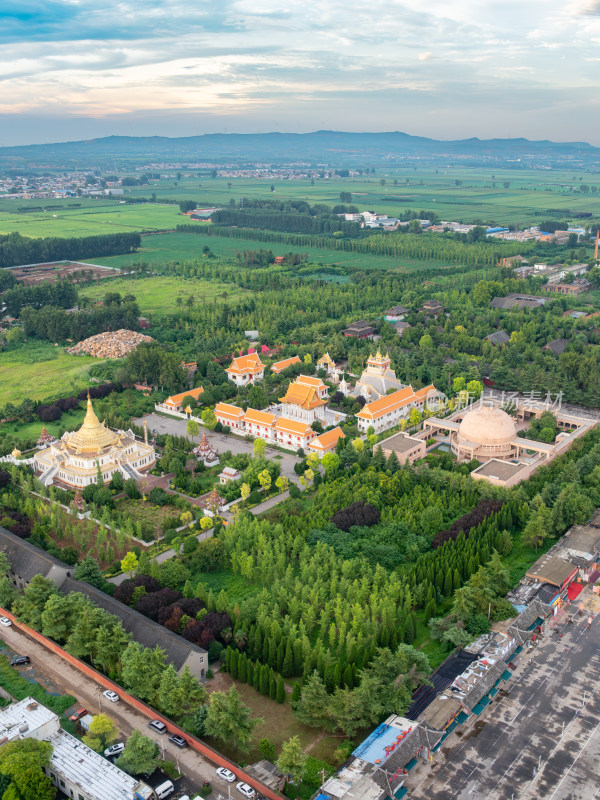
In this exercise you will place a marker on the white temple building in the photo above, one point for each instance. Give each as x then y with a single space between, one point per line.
76 458
377 379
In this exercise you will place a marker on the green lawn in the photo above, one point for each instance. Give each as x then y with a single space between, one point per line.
41 371
158 295
70 421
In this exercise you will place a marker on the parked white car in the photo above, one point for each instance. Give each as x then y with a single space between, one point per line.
110 695
5 621
246 790
226 774
114 750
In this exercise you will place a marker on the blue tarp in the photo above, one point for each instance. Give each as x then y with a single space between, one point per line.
410 764
506 675
402 792
478 709
462 717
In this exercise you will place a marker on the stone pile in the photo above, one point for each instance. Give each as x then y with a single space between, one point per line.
111 344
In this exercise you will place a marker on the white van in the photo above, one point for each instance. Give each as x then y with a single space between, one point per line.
164 790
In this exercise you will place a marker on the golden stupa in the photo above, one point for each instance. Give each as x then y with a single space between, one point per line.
93 436
76 458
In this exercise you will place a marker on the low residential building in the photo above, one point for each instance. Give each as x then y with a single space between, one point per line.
378 766
498 338
553 570
576 287
432 308
230 415
395 313
359 330
580 546
556 346
401 327
76 770
326 442
408 449
279 366
387 412
268 774
175 402
246 369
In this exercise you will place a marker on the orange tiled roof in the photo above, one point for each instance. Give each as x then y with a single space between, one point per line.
250 363
261 417
279 366
301 395
292 426
327 439
228 410
175 400
422 393
307 380
388 403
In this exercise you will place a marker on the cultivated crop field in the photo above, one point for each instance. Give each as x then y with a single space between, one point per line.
455 193
41 371
92 219
158 294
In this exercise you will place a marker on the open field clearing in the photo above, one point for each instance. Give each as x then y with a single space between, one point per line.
158 295
165 247
92 220
41 371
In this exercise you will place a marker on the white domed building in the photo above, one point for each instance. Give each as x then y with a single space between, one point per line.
74 460
485 432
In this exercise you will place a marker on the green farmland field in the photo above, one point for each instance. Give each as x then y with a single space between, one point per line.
158 294
166 247
93 218
479 195
41 372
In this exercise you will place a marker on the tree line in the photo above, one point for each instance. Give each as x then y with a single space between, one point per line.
16 249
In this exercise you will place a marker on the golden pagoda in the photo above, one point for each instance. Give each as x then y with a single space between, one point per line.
76 458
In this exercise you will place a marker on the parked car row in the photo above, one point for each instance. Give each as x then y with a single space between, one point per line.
230 777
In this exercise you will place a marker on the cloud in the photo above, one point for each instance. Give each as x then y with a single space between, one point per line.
316 64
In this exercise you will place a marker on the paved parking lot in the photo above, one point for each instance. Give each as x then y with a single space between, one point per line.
540 735
178 427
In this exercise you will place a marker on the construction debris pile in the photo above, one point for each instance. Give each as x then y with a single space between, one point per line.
111 344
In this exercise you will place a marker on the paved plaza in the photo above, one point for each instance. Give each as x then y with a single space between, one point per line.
540 736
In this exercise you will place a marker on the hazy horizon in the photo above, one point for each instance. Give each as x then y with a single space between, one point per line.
79 70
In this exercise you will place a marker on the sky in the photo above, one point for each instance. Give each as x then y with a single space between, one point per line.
79 69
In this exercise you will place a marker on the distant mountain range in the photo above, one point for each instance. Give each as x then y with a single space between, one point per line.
320 147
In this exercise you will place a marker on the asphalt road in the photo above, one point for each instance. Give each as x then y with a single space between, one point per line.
221 443
539 737
69 680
